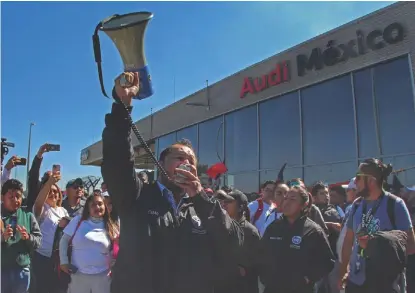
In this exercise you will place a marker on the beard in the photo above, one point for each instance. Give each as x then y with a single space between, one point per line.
364 193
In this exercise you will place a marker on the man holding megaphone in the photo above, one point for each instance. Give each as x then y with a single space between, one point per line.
174 238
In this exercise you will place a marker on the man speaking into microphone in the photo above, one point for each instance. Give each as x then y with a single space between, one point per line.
173 238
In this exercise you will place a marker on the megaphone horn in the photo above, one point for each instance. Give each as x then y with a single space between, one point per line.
127 32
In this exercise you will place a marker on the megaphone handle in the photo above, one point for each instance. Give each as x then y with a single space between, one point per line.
140 137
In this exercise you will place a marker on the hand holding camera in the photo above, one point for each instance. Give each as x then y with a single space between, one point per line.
15 161
47 147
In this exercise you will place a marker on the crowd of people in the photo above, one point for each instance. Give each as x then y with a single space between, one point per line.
174 235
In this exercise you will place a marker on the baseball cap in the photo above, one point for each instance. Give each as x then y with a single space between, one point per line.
410 188
351 185
234 195
75 183
105 194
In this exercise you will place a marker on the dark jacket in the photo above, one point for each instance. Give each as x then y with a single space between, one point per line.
247 259
330 214
315 215
161 252
15 252
292 253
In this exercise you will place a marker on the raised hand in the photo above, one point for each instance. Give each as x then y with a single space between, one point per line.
127 86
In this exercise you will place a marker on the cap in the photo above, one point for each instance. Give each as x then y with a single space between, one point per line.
410 188
237 195
105 194
75 182
351 185
208 190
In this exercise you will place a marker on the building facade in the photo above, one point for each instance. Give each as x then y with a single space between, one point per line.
321 107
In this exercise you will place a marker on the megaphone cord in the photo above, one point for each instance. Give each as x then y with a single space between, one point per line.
141 139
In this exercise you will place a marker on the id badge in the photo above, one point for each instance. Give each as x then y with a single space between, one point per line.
357 265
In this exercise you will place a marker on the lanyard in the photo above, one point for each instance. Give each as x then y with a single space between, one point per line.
367 216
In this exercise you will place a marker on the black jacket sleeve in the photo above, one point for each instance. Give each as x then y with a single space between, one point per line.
118 160
316 216
33 184
321 259
226 234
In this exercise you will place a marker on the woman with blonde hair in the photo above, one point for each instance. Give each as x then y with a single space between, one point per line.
49 212
91 238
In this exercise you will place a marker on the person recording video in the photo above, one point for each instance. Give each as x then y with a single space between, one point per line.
173 237
11 163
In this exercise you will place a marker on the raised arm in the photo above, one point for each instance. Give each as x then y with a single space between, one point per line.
34 174
43 193
118 154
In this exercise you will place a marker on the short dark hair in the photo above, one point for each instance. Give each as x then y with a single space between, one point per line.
182 142
317 186
11 184
340 190
266 183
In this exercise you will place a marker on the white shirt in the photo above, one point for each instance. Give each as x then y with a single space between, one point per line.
90 246
5 175
48 222
270 216
260 223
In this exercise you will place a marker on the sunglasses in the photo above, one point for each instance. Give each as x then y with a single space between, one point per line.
359 176
294 184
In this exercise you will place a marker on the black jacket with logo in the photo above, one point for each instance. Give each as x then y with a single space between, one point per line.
290 254
159 251
247 259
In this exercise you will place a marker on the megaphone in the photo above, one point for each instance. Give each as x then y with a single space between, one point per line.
127 32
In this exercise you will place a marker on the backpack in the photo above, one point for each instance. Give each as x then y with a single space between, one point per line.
390 208
259 211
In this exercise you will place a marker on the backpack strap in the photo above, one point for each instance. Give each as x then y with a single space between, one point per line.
259 211
391 209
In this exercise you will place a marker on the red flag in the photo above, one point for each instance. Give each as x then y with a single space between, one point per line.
217 169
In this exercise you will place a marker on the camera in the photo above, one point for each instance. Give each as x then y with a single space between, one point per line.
5 148
53 147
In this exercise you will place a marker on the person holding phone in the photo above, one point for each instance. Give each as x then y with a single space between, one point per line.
34 183
49 213
11 163
20 234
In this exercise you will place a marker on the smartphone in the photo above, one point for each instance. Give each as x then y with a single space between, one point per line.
21 162
54 147
13 224
56 168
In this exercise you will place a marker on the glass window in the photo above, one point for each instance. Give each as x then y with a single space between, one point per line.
280 140
210 142
241 140
395 105
165 141
368 146
189 133
404 163
331 173
289 173
328 122
245 182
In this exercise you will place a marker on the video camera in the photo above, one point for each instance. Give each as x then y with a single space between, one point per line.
5 148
